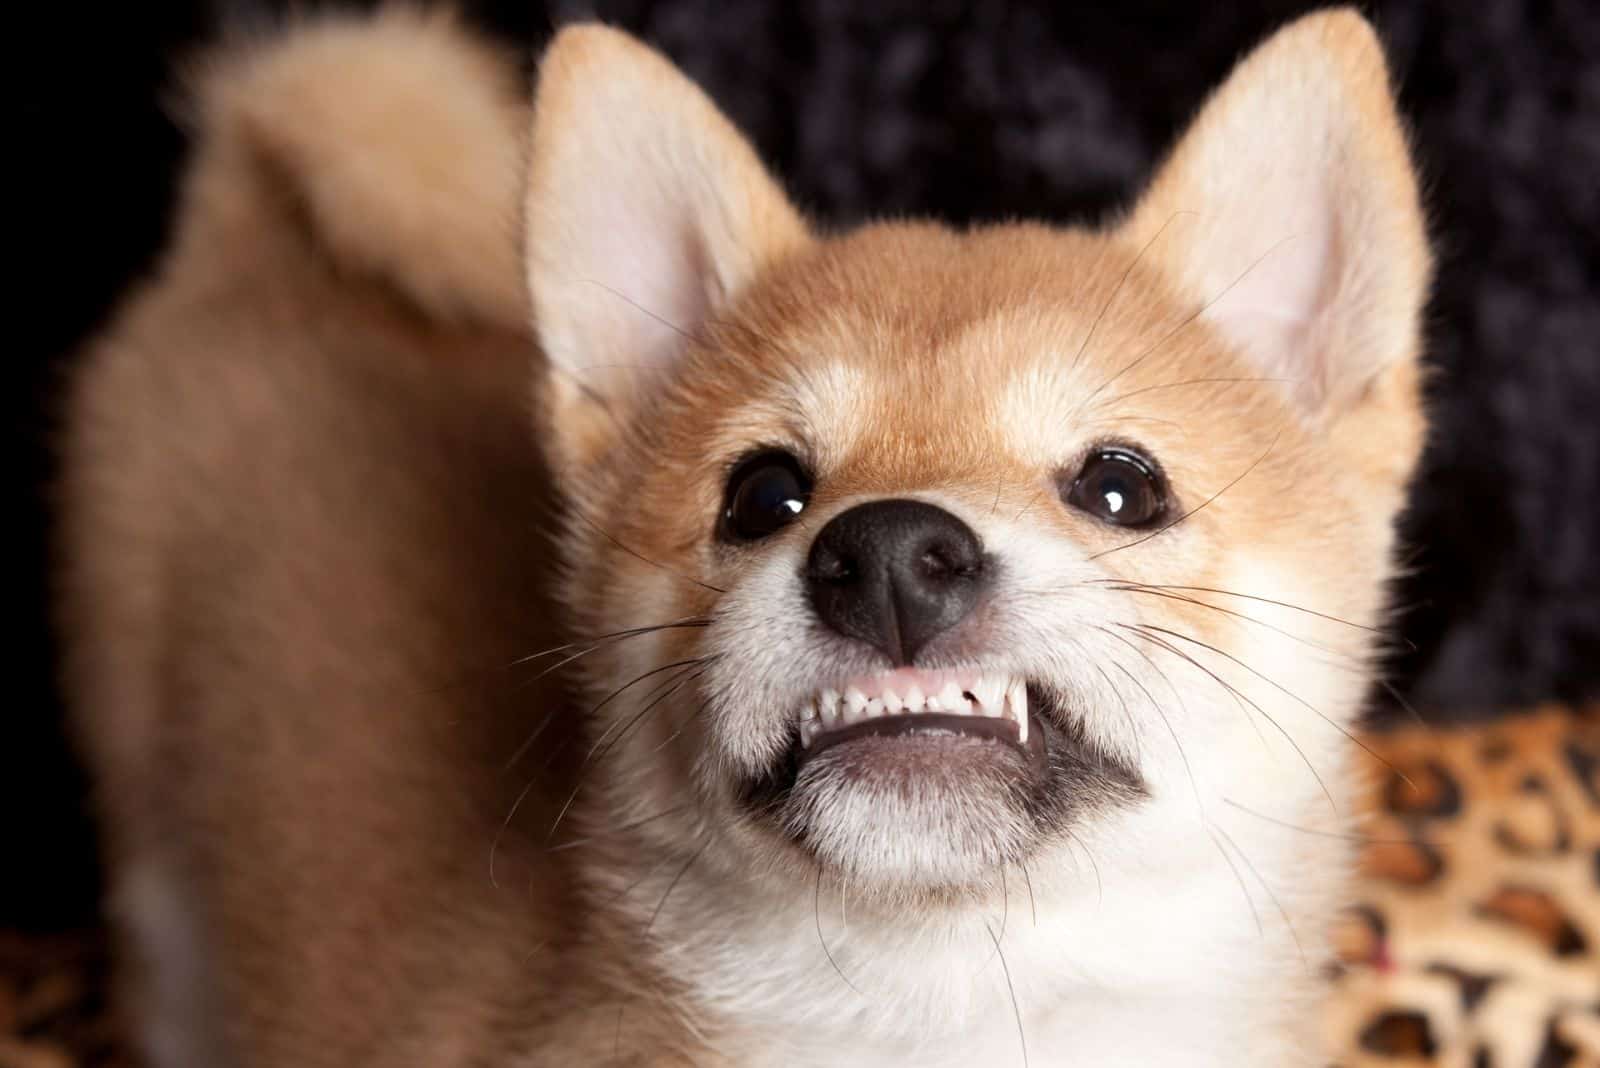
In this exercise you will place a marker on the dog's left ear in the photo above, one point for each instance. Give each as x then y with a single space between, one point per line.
1290 213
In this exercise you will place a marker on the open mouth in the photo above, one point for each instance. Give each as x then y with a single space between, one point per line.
908 701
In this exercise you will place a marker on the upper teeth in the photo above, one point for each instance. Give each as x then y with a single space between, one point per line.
909 693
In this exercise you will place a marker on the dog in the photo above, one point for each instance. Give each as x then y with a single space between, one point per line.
532 597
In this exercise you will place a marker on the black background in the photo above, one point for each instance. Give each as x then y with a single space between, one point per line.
967 112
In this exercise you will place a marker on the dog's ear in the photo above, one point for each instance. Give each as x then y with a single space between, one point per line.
646 213
1289 213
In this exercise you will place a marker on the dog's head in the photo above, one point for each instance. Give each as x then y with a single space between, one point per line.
911 553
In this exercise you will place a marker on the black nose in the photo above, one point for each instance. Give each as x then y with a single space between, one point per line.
895 574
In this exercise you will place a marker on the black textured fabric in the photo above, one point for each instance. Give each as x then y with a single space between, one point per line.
984 111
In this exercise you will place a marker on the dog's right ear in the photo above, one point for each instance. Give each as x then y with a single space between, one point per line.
646 213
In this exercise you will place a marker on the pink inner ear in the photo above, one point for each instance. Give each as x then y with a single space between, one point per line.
645 260
1272 306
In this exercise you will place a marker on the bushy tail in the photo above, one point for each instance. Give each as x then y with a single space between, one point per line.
401 138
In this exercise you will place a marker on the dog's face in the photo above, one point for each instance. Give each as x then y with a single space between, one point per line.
915 554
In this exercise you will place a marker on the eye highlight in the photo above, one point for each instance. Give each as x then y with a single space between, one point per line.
766 492
1119 486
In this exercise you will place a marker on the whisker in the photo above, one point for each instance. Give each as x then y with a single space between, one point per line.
1016 1009
1292 695
1139 631
686 664
669 324
1094 865
1182 755
1400 699
624 829
674 884
1005 901
588 760
494 846
1155 592
630 632
551 716
1358 839
1127 713
1198 312
1245 596
816 914
1033 906
1116 289
1193 382
1271 895
1255 913
1025 508
653 698
640 556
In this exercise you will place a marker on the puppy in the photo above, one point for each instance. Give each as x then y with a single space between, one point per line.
532 598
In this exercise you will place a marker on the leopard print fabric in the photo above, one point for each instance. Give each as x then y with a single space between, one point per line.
1474 939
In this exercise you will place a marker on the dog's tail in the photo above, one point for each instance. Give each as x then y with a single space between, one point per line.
399 140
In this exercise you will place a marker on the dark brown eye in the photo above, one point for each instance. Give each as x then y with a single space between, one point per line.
1121 487
766 492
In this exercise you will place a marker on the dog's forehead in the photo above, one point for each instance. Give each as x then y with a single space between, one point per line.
909 353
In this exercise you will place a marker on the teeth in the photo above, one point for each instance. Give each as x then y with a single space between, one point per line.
855 702
992 696
1017 707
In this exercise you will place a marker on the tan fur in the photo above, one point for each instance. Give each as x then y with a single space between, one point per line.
401 140
305 534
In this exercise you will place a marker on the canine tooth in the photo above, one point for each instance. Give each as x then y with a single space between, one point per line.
808 712
1017 703
913 700
891 703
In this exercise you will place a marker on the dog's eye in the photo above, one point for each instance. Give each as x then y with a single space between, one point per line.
766 492
1119 486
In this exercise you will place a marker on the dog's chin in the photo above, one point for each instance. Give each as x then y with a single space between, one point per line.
936 805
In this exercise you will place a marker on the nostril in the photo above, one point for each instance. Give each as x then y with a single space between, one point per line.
949 561
838 572
830 567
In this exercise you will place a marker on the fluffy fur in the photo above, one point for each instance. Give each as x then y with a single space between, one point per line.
301 503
